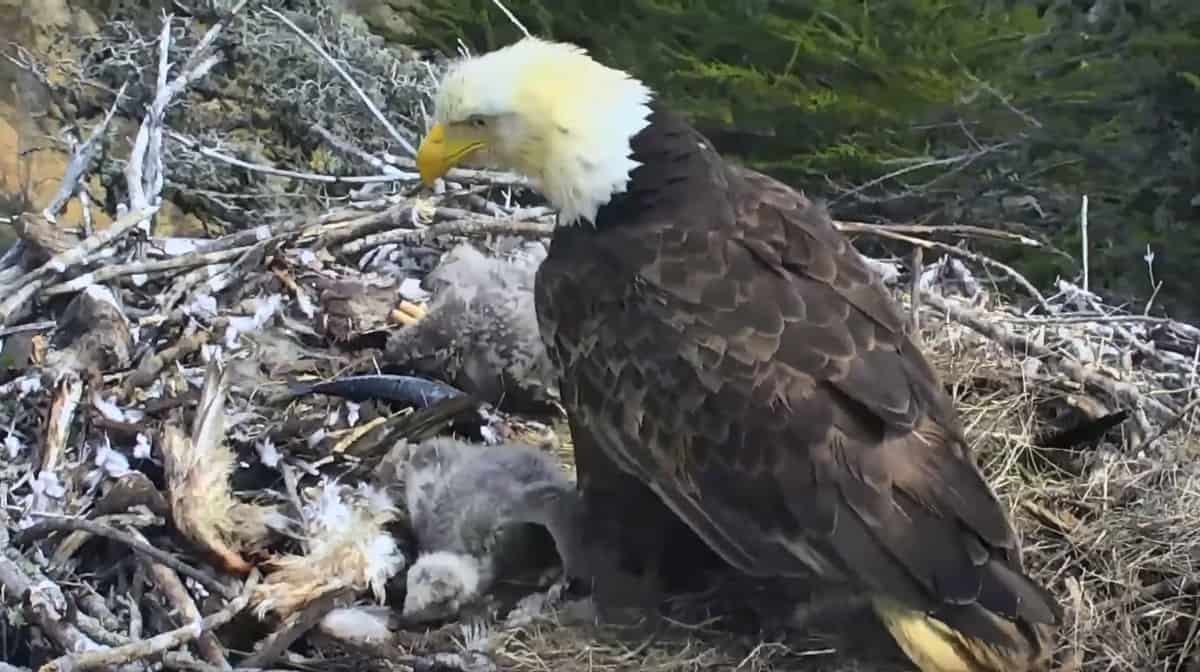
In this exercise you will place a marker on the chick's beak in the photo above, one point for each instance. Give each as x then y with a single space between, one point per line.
440 151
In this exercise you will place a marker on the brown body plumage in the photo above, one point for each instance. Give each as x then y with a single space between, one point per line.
723 345
732 370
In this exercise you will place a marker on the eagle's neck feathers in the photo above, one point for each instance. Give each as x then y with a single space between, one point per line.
585 158
674 165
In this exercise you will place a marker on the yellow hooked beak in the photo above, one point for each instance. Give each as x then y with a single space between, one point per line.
442 150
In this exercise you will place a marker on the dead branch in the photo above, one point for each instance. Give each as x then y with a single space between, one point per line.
153 363
182 660
107 273
472 225
68 391
337 67
74 541
965 157
85 199
60 524
32 282
295 627
953 229
1170 424
148 648
178 597
1095 304
399 215
45 237
918 267
1122 392
82 157
215 154
92 628
144 172
1085 318
964 254
348 148
26 328
472 176
43 601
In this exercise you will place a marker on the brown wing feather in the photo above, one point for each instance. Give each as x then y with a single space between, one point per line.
738 356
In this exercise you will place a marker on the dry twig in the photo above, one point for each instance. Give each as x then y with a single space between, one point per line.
82 157
148 648
337 67
50 524
44 604
1122 392
965 254
32 282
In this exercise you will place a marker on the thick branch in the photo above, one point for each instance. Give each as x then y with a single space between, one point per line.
1122 392
32 282
147 648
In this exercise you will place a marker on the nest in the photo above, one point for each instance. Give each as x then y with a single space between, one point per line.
164 477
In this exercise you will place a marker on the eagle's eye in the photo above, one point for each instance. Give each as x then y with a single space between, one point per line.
478 122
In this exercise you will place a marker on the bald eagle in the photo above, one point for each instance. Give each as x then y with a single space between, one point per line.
722 347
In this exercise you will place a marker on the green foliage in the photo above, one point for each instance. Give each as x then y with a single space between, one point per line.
1115 99
805 81
1085 98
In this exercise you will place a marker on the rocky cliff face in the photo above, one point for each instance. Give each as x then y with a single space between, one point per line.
32 160
391 19
33 152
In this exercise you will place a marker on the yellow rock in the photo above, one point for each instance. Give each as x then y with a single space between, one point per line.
171 221
31 169
32 162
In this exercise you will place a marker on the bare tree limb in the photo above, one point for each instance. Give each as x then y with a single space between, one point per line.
32 282
337 67
47 525
926 229
147 648
144 172
512 17
1122 392
928 163
106 273
965 254
468 227
45 606
80 164
265 169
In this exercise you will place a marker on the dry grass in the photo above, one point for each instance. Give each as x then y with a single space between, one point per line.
1115 535
554 648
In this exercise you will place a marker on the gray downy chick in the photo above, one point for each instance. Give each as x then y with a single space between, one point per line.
472 509
480 331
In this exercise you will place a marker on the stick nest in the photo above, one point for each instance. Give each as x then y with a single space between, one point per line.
124 338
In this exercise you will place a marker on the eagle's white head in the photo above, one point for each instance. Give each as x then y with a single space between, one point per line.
545 110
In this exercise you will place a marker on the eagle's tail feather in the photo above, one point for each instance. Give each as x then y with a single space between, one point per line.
934 646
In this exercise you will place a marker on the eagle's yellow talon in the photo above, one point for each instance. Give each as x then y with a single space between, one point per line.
408 313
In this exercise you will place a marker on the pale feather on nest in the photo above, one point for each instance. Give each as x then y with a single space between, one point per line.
345 547
198 469
358 624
